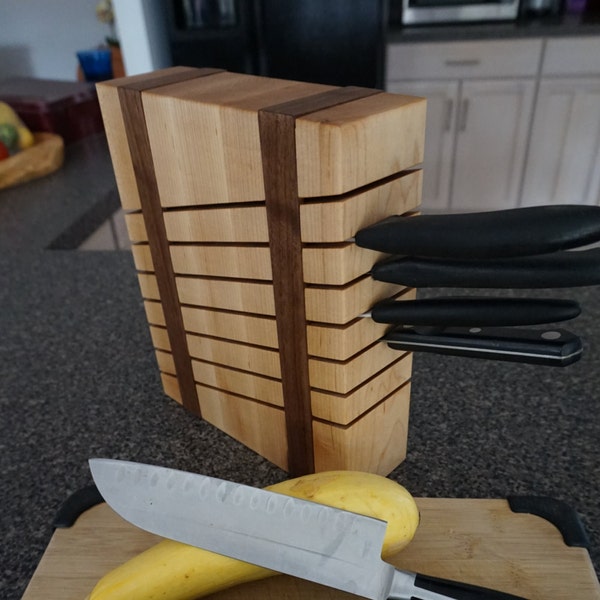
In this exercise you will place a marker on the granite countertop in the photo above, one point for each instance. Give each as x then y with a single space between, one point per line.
560 26
78 378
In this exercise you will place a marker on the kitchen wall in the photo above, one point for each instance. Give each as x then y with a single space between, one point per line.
40 38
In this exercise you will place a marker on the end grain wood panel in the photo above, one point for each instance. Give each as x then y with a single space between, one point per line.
148 286
344 303
154 313
376 442
142 257
343 376
342 409
345 147
165 361
239 224
116 136
220 111
171 387
337 265
227 294
160 338
326 304
332 219
231 354
340 342
337 219
136 228
244 262
114 125
265 389
259 426
241 327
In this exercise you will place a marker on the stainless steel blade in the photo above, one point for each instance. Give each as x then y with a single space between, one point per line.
330 546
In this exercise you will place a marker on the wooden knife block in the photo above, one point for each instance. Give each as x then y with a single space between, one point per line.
242 196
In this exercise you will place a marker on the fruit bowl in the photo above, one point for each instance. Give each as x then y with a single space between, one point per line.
44 157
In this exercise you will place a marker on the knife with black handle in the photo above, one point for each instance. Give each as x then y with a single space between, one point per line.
554 270
484 235
551 347
473 310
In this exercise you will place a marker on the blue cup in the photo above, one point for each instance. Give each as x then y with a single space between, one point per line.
96 64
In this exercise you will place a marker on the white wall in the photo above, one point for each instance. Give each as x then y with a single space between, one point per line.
39 38
142 29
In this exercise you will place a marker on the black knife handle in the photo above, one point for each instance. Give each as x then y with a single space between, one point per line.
457 590
494 234
473 310
555 270
555 347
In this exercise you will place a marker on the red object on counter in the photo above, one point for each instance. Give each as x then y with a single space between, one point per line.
4 153
67 108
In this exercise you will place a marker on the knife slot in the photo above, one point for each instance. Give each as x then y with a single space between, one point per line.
373 407
337 221
235 381
344 408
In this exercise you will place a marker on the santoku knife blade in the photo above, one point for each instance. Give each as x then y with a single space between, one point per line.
330 546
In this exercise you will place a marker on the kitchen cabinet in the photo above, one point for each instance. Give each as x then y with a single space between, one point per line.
563 163
442 100
480 100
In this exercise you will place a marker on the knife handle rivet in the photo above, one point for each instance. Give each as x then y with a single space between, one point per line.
551 335
475 330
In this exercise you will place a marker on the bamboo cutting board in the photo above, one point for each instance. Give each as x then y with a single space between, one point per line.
478 541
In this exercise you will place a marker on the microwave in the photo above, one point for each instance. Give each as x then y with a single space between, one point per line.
415 12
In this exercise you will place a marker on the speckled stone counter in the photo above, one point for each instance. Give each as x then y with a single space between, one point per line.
61 209
78 379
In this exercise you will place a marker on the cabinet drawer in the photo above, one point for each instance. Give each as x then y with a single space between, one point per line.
572 56
460 60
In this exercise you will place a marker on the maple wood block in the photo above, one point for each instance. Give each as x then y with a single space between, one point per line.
331 406
375 442
259 426
242 196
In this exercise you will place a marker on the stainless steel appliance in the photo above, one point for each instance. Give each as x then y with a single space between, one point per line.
450 11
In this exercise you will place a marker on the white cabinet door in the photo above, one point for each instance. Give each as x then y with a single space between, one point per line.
563 165
493 128
442 99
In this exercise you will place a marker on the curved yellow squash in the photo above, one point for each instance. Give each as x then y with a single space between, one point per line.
173 571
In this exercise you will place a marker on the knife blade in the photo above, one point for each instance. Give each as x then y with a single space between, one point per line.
554 270
474 310
482 235
555 347
312 541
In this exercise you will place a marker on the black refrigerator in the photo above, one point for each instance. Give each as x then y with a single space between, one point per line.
336 42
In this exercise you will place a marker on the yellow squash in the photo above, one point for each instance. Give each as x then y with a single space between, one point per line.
173 571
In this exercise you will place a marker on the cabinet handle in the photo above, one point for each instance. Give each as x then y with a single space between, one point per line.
448 117
466 62
464 114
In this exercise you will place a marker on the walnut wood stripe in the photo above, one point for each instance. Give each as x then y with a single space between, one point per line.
278 149
130 98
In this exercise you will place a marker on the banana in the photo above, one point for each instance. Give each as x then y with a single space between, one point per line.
174 571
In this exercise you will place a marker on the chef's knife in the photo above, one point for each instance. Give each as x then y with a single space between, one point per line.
474 310
554 270
550 347
330 546
483 235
